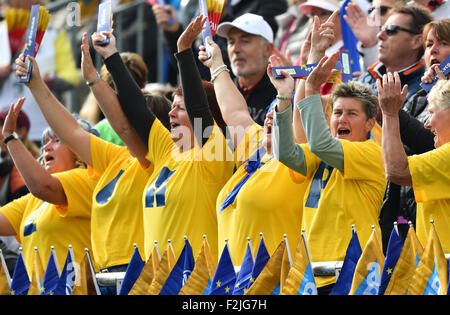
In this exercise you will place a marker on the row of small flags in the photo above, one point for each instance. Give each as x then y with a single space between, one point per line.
407 268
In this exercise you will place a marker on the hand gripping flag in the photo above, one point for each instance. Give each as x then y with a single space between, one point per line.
68 276
199 283
393 252
5 278
20 281
51 275
37 276
367 277
180 272
245 271
225 277
132 273
406 265
300 279
431 275
344 281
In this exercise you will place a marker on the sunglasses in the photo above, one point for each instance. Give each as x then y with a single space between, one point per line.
393 29
382 8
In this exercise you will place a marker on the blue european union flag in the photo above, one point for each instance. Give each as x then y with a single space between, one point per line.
350 40
20 282
262 257
225 277
180 272
245 273
132 273
393 252
344 281
51 275
67 279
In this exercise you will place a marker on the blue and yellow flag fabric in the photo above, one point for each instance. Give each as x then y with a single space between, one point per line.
86 283
20 281
5 278
161 274
367 277
286 264
406 265
142 284
68 276
199 283
51 275
349 39
132 273
245 272
262 257
225 277
300 279
180 272
37 276
393 252
345 279
431 275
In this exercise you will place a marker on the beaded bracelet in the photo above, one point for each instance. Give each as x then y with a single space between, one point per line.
284 97
216 73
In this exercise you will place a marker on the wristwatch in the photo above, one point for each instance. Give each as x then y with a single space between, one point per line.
10 137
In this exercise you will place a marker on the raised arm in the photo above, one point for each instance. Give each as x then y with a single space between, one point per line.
109 104
39 182
391 98
57 116
131 98
194 94
231 102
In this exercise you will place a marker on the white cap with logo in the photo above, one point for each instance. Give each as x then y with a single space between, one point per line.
249 23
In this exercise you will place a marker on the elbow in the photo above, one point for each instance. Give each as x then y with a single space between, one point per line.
400 178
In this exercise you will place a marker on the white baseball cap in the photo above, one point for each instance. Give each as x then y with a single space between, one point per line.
329 5
249 23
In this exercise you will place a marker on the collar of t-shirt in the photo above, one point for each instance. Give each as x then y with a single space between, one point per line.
246 91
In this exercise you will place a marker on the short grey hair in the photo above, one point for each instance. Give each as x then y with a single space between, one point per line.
360 91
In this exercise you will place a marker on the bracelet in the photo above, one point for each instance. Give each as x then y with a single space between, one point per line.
216 74
215 71
90 84
284 97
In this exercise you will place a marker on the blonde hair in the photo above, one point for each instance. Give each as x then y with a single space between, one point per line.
440 93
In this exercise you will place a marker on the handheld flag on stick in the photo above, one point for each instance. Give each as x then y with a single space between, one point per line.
20 281
225 277
246 270
268 281
199 283
132 273
37 276
444 67
300 279
104 21
161 274
180 272
344 281
349 39
5 279
87 282
286 264
37 25
406 265
51 275
393 252
145 279
68 276
161 3
262 257
367 277
212 10
431 275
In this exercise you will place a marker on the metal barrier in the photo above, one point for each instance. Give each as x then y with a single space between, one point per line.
110 279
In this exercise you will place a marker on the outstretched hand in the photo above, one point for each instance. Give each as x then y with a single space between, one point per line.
9 126
106 50
88 70
215 60
322 36
191 33
321 73
391 96
285 85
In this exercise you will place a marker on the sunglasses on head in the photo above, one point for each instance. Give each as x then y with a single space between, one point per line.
382 8
393 29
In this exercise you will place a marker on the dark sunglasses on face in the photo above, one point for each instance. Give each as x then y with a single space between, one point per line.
393 29
382 8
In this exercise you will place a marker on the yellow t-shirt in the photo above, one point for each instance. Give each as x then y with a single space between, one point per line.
335 200
430 173
180 197
269 202
117 219
42 224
